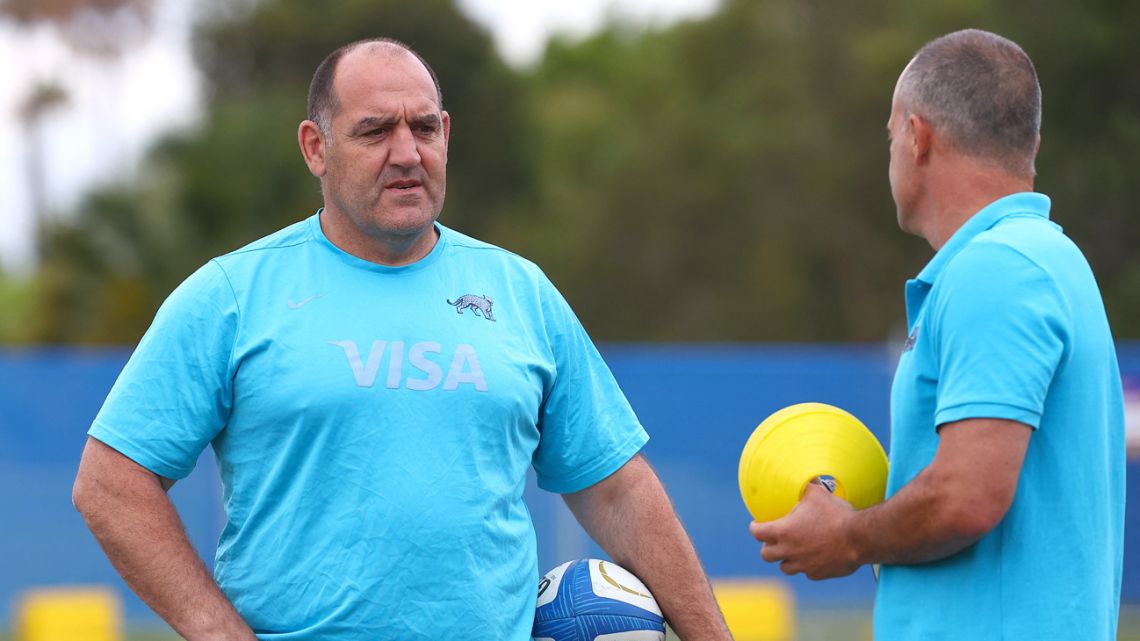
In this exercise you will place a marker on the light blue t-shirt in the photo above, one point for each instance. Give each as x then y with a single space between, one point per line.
1006 321
373 427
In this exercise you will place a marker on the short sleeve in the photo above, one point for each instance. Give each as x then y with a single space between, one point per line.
587 429
1001 330
175 393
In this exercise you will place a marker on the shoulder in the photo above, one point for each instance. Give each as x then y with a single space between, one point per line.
276 253
296 235
223 276
1013 271
1033 238
472 249
1017 251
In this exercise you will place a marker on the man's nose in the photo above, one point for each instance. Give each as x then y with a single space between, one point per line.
404 151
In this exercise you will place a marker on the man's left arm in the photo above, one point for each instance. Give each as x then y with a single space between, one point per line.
631 517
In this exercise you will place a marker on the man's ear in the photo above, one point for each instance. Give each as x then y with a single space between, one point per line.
446 119
921 139
312 143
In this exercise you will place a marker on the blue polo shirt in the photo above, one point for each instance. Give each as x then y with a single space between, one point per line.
1006 321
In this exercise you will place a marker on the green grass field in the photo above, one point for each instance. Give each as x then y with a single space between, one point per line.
811 625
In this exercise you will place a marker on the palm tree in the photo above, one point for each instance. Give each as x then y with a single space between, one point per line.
43 98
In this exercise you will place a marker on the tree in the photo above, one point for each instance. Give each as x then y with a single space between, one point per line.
726 179
720 179
709 181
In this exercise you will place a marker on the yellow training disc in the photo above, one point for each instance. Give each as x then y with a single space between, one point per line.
805 441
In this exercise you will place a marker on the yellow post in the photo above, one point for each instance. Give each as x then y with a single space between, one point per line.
757 610
69 614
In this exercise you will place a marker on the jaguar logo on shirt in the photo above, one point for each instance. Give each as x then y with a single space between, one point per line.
479 305
911 340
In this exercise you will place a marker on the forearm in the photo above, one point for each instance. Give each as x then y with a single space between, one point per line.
951 504
639 529
917 525
655 547
142 535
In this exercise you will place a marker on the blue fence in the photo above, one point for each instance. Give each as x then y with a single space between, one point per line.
700 403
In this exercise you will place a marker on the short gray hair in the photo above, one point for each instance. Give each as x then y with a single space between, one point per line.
980 91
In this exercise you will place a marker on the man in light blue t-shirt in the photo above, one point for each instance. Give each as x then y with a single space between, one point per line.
375 387
1005 511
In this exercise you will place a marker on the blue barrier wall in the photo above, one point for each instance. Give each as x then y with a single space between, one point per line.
699 402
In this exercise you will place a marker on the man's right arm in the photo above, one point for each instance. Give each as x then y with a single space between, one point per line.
955 501
127 509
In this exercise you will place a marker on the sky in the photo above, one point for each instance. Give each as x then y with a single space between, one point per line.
116 107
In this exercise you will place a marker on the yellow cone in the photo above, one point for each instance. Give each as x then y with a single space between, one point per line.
69 614
757 610
805 441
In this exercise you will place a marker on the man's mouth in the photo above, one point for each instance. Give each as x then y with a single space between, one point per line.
403 184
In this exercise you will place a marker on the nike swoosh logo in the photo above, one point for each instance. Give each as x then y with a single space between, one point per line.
304 302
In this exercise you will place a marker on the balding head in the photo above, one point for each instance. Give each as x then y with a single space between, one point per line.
323 101
979 92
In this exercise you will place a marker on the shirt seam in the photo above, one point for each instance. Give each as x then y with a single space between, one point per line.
247 250
457 239
237 330
154 460
250 248
1015 406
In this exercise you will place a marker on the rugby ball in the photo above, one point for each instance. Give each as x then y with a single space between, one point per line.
591 599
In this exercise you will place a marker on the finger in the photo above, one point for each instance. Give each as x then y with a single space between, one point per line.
763 531
768 532
771 553
816 489
817 492
789 567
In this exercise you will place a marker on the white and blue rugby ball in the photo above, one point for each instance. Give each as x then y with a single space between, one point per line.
590 599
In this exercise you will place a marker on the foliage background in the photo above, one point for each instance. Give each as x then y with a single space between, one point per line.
716 180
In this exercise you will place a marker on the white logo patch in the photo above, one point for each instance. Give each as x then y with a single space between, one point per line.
427 374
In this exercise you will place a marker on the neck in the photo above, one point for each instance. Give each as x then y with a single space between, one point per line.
962 190
388 248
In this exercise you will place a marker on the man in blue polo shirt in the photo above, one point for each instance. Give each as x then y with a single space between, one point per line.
375 387
1004 516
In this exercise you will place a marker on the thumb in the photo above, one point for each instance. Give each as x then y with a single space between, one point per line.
816 491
